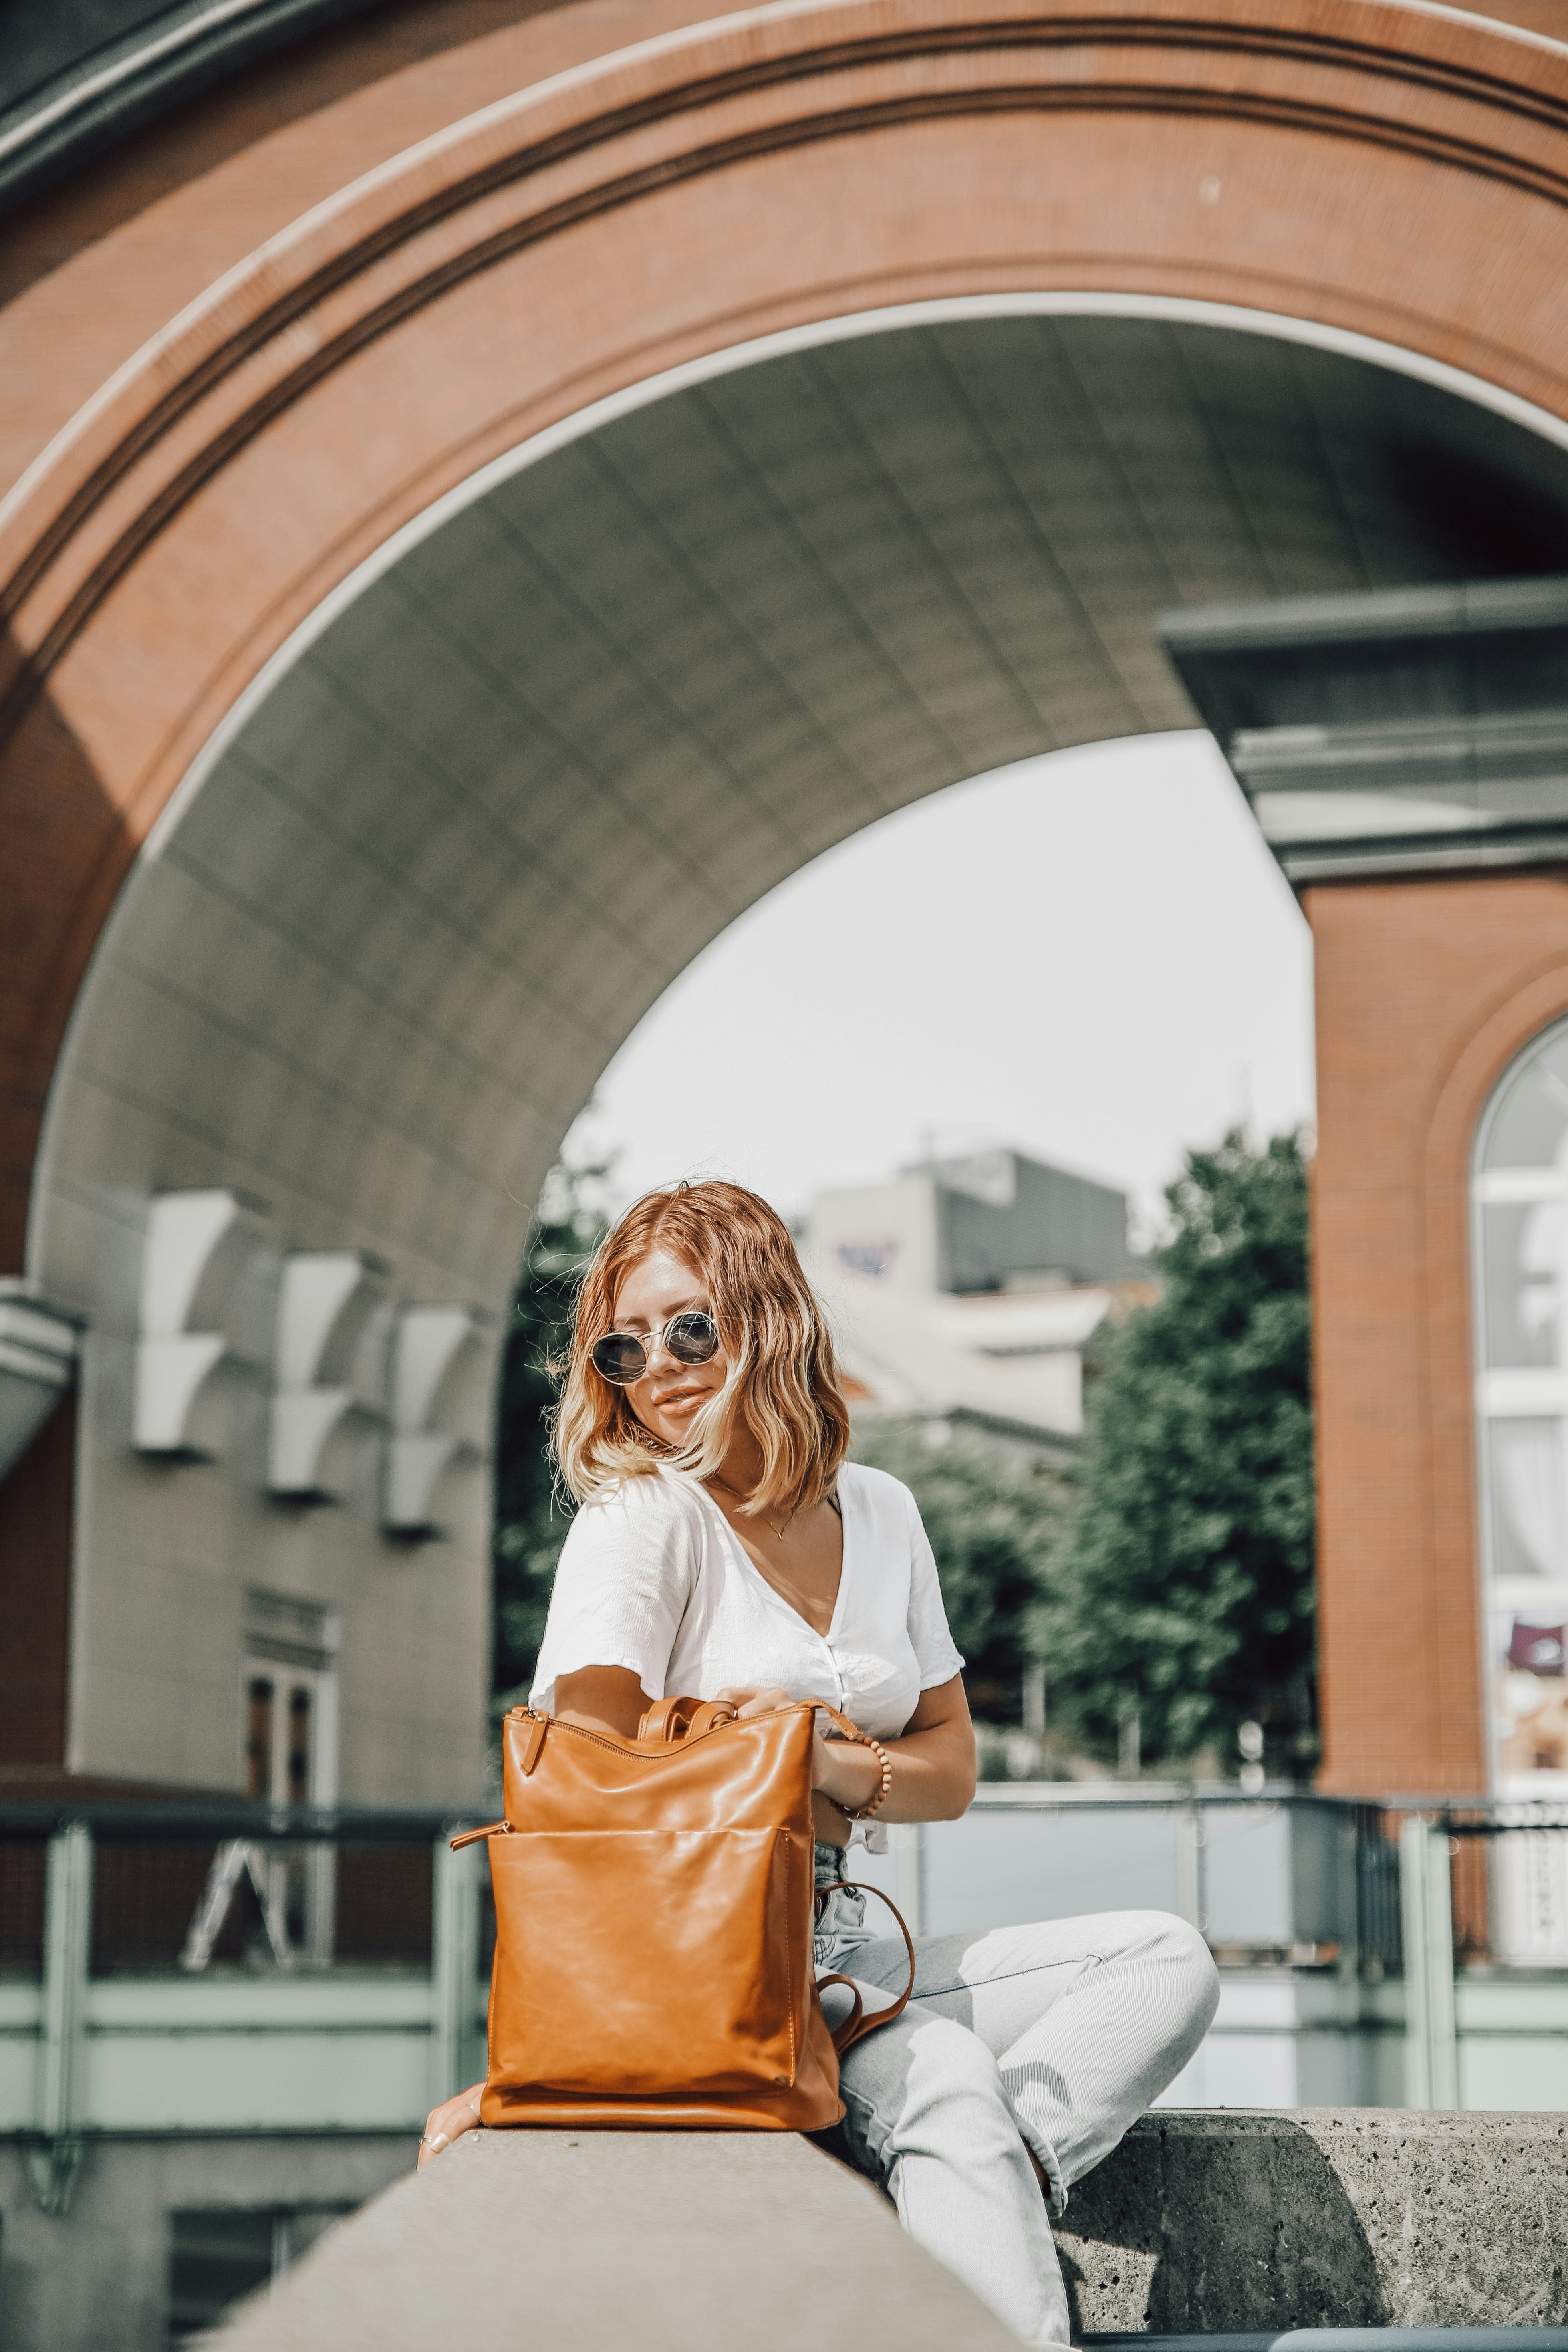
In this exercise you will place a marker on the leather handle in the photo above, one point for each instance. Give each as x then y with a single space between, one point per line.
674 1719
856 2025
687 1719
846 2033
667 1718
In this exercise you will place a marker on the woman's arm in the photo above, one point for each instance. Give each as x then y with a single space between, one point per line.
601 1698
933 1761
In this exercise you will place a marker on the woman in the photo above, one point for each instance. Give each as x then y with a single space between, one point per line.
725 1548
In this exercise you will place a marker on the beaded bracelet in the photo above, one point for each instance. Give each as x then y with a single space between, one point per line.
880 1799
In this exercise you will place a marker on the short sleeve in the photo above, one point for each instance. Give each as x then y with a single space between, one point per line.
625 1574
932 1644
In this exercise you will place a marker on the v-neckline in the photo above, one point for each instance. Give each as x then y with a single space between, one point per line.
750 1565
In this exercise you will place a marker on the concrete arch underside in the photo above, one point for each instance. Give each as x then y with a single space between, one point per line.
472 825
379 951
432 638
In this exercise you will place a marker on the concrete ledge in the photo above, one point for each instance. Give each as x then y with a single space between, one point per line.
1200 2222
657 2240
1347 2217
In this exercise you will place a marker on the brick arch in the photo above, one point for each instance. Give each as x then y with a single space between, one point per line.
616 220
1460 976
1505 1021
467 272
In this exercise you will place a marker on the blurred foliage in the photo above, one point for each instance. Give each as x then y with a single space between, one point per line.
1182 1580
532 1515
990 1516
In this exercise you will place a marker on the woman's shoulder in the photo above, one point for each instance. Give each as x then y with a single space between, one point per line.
877 1492
649 1509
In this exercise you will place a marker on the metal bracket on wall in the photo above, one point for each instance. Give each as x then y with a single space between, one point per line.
236 1859
426 1343
52 2168
331 1310
54 2156
39 1349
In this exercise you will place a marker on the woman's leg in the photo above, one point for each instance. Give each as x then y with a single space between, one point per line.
926 2113
1082 2022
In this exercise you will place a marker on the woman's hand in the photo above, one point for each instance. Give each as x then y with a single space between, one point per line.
844 1774
448 2122
756 1702
932 1760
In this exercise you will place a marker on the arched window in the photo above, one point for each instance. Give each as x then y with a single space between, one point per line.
1520 1190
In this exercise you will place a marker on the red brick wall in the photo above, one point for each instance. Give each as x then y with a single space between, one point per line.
1425 990
34 1595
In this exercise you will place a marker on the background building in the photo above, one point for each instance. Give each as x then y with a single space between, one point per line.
968 1290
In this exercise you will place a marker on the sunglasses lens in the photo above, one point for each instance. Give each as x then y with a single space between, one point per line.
619 1358
692 1337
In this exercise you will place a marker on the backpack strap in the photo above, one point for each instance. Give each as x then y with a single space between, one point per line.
856 2025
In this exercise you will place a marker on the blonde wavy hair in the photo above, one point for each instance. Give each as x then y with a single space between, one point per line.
782 1384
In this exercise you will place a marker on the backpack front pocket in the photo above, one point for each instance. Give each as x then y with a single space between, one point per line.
644 1962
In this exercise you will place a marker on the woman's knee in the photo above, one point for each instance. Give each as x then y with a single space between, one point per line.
1174 1962
1189 1970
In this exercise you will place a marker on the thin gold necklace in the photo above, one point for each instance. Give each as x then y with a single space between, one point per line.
777 1533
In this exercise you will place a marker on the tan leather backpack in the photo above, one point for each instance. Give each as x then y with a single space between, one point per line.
654 1914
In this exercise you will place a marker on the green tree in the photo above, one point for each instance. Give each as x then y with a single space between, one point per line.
532 1515
1182 1585
990 1518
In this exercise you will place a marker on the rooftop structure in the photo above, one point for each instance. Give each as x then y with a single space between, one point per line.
967 1290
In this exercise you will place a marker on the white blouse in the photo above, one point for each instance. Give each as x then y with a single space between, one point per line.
652 1579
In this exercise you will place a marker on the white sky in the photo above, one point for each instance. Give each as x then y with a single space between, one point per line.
1091 956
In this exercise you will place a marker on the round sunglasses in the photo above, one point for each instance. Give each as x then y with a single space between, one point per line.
622 1357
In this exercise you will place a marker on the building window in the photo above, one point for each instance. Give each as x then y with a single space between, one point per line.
289 1718
289 1679
217 2255
259 1695
1521 1255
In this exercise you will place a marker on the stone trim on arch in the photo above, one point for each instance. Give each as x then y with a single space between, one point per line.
453 301
687 105
701 100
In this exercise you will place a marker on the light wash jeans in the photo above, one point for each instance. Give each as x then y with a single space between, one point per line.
1059 2036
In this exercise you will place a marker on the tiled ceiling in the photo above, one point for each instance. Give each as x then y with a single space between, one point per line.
506 797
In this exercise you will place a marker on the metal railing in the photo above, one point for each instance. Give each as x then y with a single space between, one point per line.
1510 1896
202 1886
231 1967
180 1968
